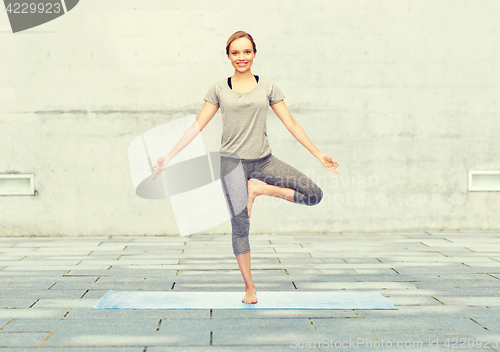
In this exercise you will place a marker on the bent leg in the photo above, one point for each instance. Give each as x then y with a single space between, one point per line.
278 173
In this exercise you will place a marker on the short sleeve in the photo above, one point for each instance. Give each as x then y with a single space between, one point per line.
275 94
212 96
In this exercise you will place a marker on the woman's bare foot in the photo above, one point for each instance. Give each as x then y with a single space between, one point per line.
253 192
250 297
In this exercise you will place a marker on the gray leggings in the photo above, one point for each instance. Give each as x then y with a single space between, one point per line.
270 170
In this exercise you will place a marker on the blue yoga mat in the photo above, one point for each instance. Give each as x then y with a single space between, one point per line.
232 300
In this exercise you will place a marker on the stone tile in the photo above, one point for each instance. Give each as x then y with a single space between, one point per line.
86 349
360 260
460 291
297 261
283 313
295 271
33 313
438 310
492 323
36 267
88 272
399 323
50 294
242 348
3 322
124 314
57 303
416 300
352 286
488 266
260 331
232 274
14 302
470 300
84 327
29 273
15 339
15 285
75 338
131 271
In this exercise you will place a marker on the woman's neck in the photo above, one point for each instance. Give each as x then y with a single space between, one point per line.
241 77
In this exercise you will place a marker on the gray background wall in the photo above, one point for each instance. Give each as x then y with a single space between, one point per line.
403 94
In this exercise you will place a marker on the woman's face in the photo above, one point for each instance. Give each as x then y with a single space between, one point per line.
241 54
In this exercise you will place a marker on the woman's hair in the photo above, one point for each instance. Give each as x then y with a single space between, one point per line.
237 35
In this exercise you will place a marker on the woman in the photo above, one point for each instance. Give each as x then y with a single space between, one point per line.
244 100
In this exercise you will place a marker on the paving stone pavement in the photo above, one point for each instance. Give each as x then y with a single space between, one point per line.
446 287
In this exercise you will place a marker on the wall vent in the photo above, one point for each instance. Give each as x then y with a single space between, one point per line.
17 184
484 180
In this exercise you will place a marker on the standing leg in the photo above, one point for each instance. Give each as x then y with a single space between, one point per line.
234 183
244 264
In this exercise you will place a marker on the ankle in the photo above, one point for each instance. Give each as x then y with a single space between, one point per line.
254 188
250 287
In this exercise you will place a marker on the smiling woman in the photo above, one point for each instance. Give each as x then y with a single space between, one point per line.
241 50
244 100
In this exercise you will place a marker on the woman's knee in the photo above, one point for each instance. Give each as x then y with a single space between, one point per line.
241 243
236 252
315 197
240 225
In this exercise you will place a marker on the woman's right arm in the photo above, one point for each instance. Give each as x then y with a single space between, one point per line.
206 114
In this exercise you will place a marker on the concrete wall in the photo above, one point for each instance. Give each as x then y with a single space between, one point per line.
403 94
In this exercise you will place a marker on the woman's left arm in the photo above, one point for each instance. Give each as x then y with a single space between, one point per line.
300 135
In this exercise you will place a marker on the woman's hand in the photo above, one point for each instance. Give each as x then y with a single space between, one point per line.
329 163
161 164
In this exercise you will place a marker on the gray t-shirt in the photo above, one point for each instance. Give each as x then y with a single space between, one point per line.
244 116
